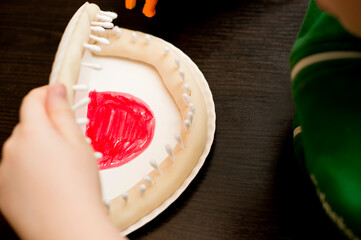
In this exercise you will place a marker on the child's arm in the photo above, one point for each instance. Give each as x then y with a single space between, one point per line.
49 183
346 11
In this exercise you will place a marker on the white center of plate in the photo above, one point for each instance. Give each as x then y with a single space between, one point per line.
142 81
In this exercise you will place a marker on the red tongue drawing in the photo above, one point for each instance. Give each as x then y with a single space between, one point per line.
121 127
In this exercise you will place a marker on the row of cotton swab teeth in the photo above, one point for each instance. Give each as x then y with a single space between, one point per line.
187 92
155 165
104 20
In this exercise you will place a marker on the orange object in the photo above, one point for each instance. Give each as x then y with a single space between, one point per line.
130 4
149 8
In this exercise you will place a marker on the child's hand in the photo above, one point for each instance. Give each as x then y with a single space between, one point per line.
49 184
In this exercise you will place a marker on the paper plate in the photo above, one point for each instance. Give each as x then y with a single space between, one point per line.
143 81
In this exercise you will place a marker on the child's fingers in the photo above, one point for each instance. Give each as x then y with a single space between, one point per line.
60 114
149 8
130 4
8 145
32 110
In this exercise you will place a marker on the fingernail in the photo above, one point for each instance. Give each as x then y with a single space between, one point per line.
59 90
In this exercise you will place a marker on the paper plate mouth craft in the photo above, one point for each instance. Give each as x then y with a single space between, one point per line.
144 106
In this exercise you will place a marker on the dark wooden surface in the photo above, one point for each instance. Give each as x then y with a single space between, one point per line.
250 186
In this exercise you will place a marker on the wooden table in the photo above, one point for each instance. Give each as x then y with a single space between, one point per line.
250 186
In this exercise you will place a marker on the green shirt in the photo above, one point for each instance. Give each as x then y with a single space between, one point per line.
326 85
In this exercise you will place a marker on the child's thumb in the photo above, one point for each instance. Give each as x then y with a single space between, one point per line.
60 113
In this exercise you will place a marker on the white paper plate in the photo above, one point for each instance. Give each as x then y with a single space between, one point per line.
117 180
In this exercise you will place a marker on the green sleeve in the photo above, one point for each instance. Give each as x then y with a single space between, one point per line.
327 96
